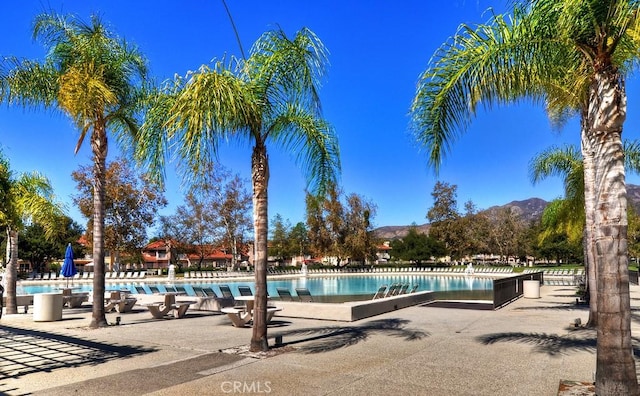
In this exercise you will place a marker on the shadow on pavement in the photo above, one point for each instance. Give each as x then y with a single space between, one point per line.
551 344
329 338
25 351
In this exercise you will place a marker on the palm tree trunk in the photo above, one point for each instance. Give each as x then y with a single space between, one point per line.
99 148
11 272
260 183
589 210
615 365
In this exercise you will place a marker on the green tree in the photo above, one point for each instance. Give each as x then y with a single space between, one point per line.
567 216
39 250
24 198
474 231
417 247
279 246
359 241
634 233
573 55
319 235
93 77
192 229
229 203
341 226
299 243
269 99
443 217
130 206
506 231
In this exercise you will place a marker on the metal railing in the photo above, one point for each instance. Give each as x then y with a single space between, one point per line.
633 277
508 289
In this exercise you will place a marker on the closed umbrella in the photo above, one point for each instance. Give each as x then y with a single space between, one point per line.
68 267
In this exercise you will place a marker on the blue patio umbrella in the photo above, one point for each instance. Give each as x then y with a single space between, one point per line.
68 267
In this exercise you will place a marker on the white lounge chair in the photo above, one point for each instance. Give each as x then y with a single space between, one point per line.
380 293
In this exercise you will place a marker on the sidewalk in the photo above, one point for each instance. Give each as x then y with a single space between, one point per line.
525 348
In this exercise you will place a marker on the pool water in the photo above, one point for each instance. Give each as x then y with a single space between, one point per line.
357 286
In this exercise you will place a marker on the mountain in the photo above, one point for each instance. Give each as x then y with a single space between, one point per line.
530 209
394 232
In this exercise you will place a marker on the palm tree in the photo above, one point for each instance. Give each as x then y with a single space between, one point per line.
271 98
567 215
26 198
573 55
92 76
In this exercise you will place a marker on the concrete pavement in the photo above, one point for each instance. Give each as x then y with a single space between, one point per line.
525 348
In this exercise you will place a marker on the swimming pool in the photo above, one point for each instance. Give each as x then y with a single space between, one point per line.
358 286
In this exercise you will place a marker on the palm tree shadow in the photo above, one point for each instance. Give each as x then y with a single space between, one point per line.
553 344
556 306
28 351
325 339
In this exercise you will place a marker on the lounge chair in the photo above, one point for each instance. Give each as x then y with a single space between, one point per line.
181 289
380 293
284 293
304 294
403 289
391 291
170 289
414 288
226 291
154 289
208 300
245 291
209 292
139 289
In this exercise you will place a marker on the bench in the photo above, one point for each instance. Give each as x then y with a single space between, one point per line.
126 304
240 316
75 300
159 310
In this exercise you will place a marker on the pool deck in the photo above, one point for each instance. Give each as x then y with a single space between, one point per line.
526 348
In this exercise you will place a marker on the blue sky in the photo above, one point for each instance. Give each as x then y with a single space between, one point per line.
377 51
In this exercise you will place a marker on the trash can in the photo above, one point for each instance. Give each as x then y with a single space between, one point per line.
531 289
47 307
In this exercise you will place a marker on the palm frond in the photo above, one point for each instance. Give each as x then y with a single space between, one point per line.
632 155
555 161
314 143
36 201
284 70
498 62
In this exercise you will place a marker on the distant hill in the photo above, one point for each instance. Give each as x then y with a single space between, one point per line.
395 232
530 209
